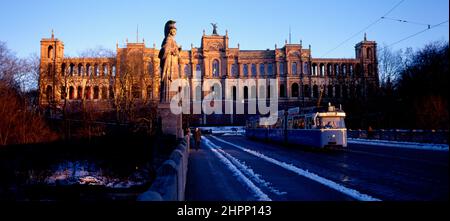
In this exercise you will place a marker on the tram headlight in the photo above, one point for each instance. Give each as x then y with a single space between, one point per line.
333 136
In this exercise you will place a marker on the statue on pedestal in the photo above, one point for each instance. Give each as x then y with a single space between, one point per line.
169 56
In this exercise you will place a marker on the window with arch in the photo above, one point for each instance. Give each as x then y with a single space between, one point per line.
369 53
87 93
314 69
71 69
322 70
71 93
262 69
329 69
104 93
80 70
63 69
96 92
198 71
294 68
350 70
270 69
187 70
50 52
150 68
105 70
306 91
63 92
305 68
88 70
96 70
294 90
344 69
253 69
245 67
215 68
113 70
281 68
282 90
49 69
234 70
111 92
79 93
336 69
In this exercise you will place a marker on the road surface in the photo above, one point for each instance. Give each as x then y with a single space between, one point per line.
238 169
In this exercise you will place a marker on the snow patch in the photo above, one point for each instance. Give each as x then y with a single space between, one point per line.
259 194
305 173
398 144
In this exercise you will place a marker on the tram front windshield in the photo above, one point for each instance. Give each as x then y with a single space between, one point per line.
331 122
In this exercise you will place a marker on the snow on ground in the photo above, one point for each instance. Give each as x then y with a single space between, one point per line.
85 173
398 144
259 194
305 173
226 130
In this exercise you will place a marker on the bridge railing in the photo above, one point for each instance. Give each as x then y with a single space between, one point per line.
419 136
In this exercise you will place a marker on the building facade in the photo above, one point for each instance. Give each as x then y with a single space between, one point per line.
134 73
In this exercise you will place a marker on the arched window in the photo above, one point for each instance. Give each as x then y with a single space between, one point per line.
105 70
305 68
314 69
113 70
294 68
96 92
96 70
111 92
245 92
198 71
71 93
234 70
262 69
294 90
315 91
50 52
270 69
245 70
80 70
281 68
306 91
329 69
49 92
88 70
369 53
104 92
63 69
253 69
63 92
79 93
71 69
350 69
330 91
87 93
344 69
187 70
215 67
282 90
336 69
322 70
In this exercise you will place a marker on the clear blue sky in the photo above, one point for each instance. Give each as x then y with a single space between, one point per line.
255 24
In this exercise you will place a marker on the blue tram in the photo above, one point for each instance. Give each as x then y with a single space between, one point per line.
313 127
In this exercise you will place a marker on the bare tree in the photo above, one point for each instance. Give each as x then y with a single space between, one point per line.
98 52
390 64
